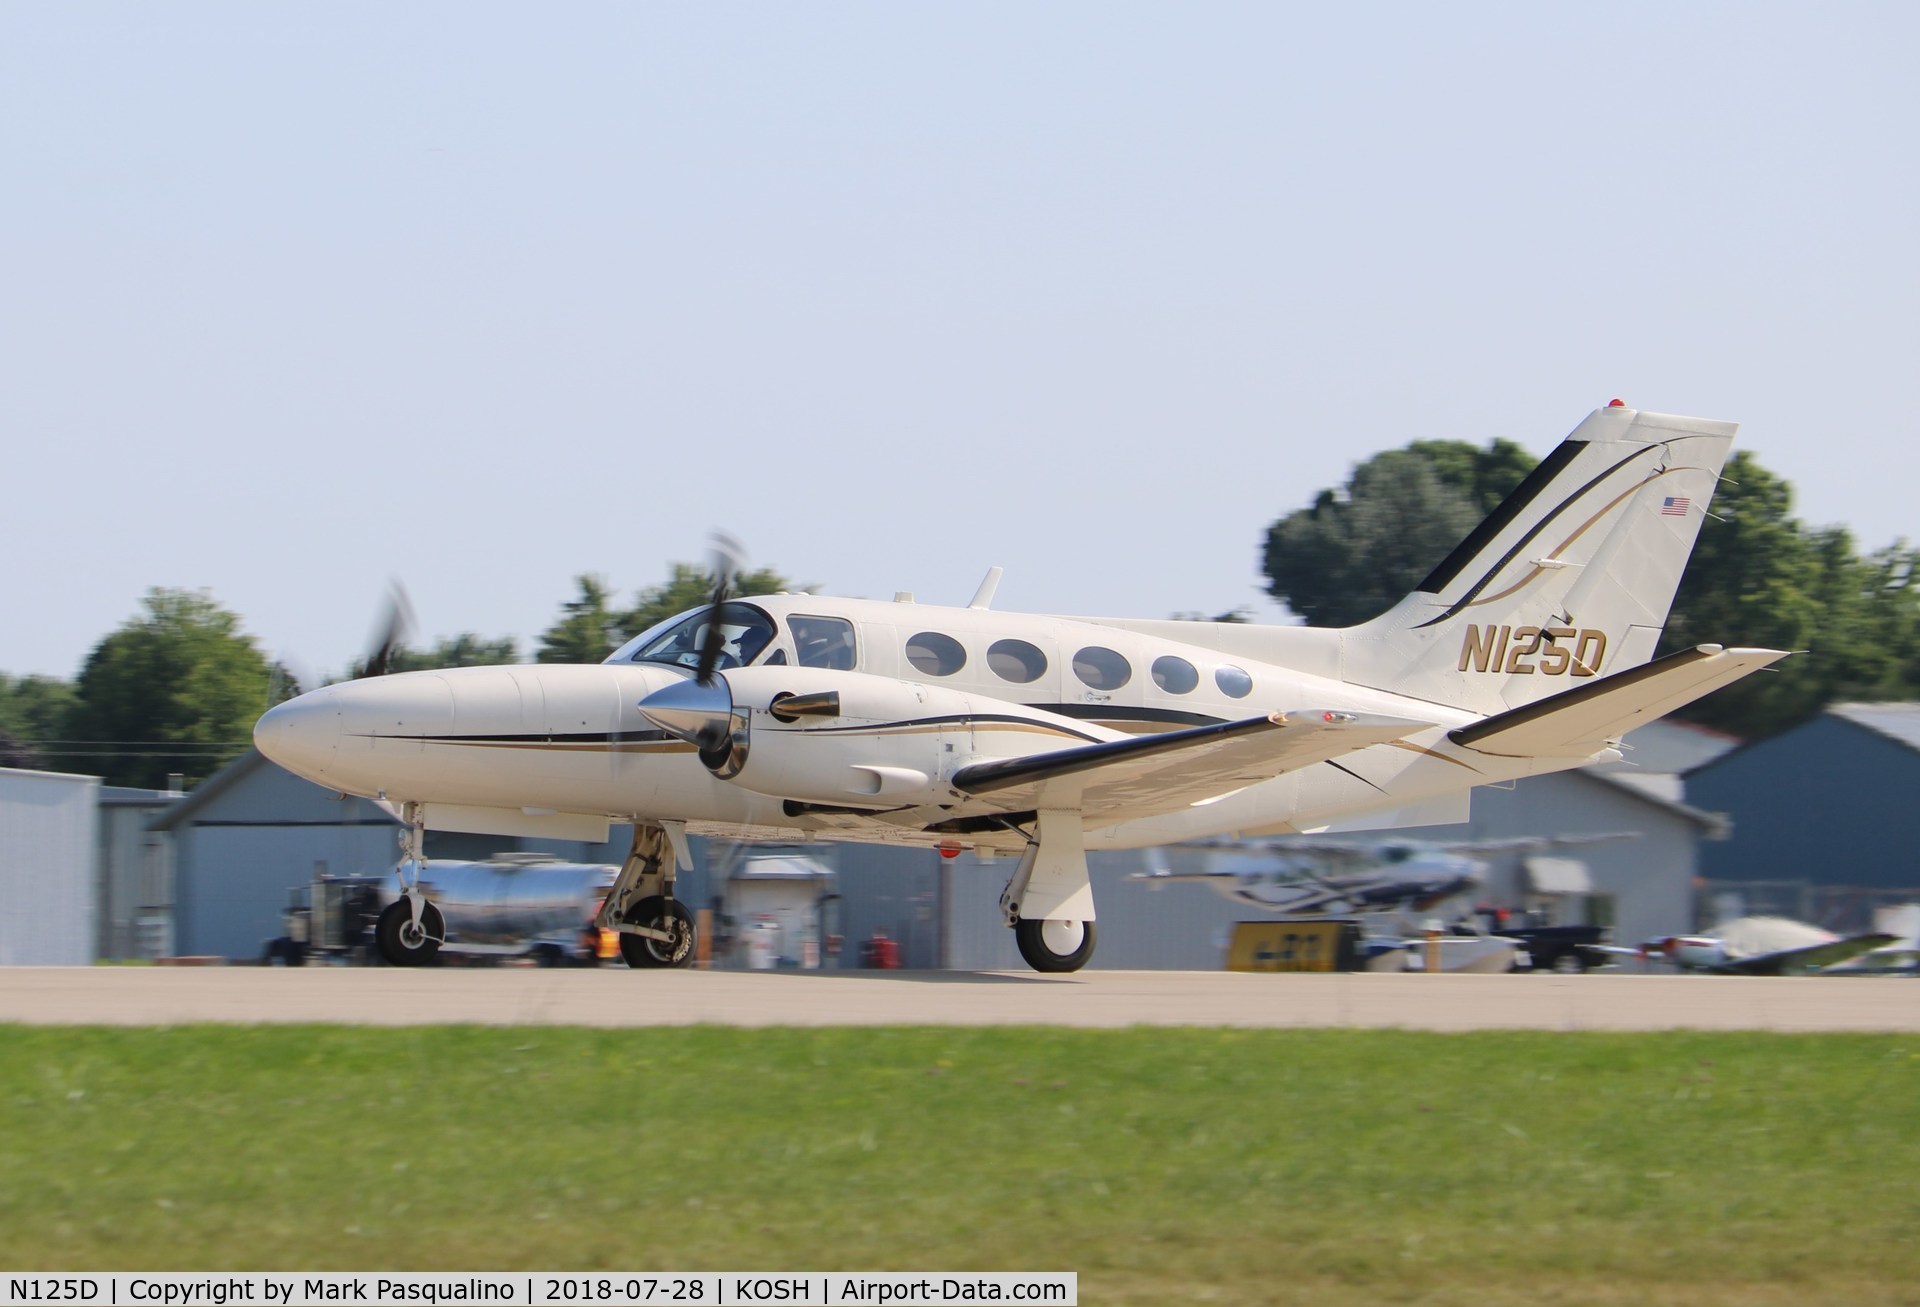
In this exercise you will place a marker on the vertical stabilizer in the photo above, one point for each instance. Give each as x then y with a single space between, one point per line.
1570 578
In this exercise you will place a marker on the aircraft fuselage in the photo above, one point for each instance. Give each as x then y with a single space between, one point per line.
546 741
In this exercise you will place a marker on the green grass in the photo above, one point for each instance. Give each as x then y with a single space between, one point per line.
1162 1165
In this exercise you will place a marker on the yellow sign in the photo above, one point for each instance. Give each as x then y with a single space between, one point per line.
1322 945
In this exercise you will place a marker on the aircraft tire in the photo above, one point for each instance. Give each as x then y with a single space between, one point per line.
662 914
1041 943
393 935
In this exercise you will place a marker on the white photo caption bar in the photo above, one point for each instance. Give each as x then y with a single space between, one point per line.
537 1288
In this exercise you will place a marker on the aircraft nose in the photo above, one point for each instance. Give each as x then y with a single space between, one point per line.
301 734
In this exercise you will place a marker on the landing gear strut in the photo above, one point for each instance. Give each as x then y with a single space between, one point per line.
410 930
1049 900
655 929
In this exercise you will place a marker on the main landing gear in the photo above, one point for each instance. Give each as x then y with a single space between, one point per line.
1049 900
655 928
410 930
1054 945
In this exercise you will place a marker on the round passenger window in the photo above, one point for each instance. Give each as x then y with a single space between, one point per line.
934 654
1016 661
1233 682
1103 669
1175 675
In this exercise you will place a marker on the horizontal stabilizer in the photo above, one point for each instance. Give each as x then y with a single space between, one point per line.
1579 723
1149 774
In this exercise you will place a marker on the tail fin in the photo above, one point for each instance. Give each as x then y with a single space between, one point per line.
1570 578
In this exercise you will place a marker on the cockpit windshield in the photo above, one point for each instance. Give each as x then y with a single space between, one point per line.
746 633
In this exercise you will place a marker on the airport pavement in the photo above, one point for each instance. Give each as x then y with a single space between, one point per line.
616 997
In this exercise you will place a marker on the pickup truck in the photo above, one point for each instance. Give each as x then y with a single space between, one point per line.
1566 949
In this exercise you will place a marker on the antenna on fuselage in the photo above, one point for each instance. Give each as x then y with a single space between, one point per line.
983 597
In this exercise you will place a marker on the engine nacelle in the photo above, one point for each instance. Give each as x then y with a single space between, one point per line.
859 740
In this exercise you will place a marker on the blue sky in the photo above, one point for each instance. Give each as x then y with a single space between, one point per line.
297 298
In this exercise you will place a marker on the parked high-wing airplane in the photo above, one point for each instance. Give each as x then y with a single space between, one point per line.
1307 877
1758 946
1526 650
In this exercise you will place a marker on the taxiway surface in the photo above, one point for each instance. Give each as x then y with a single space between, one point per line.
507 996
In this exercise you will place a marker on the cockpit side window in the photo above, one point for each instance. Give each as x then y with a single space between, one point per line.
824 642
745 633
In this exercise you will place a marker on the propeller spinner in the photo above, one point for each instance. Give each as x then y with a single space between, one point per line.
701 711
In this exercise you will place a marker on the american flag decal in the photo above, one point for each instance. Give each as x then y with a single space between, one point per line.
1675 506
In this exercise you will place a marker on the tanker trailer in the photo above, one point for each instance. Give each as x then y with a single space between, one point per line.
514 905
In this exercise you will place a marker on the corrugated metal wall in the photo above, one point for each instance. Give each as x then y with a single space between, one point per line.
1650 878
1829 803
242 876
238 858
1140 927
135 908
914 895
47 852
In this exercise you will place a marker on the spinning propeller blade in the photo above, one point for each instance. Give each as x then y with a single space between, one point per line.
396 624
701 711
726 565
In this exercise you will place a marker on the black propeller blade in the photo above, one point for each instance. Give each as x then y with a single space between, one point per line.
726 565
390 632
701 711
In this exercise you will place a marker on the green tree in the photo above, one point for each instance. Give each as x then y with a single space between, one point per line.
591 625
687 587
1760 577
15 753
175 689
36 713
1355 553
1486 476
463 650
589 628
1757 576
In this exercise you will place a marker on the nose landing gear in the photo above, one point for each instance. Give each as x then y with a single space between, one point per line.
410 929
404 942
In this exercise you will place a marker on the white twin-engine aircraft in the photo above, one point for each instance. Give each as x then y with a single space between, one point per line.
1525 651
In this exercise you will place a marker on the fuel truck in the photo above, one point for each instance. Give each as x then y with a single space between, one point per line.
515 905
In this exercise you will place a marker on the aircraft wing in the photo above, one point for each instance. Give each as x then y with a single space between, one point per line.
1580 722
1813 957
1147 774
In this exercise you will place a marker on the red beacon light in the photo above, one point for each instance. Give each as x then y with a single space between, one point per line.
1616 402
